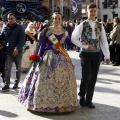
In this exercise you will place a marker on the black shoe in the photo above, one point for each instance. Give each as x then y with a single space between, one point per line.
113 62
82 101
90 105
5 88
116 64
15 86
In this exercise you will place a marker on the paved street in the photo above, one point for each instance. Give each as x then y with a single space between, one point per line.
106 98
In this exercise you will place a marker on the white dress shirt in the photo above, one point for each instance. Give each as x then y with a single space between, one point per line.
103 39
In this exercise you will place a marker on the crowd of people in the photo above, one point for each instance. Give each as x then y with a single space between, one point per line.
50 85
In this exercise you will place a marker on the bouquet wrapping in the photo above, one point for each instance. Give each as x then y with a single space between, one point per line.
25 47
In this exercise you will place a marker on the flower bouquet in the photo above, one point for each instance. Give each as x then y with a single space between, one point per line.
35 58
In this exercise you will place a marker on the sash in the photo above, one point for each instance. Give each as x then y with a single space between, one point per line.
58 46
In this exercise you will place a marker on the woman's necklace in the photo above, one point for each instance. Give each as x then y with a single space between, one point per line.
57 30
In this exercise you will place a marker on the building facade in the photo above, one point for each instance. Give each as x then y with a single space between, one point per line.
84 7
109 9
36 8
45 8
62 6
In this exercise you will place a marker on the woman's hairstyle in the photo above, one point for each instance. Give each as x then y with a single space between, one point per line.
28 27
55 13
116 19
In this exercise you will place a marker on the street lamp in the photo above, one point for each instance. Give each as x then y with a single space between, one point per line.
113 6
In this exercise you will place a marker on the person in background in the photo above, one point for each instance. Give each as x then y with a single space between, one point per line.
115 45
31 44
108 29
2 25
41 33
108 26
15 37
92 35
26 21
69 30
2 54
64 25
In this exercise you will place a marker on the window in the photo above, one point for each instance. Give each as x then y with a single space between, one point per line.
105 18
105 5
83 10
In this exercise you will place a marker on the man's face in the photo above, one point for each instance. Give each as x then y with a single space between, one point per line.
92 12
11 19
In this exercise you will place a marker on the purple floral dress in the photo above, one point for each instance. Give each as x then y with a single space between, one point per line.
54 88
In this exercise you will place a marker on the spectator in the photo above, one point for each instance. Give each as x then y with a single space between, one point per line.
115 46
31 44
15 37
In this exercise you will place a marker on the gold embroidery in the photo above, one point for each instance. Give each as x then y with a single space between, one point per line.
64 34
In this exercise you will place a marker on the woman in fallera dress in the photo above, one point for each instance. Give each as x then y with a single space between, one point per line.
31 43
54 88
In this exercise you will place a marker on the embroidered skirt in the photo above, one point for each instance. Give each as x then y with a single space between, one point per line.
53 89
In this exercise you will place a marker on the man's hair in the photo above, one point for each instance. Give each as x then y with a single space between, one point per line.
91 6
12 14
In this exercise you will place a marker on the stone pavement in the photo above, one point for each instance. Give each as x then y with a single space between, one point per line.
106 98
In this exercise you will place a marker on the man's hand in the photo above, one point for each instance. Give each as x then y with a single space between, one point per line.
107 61
15 52
90 47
